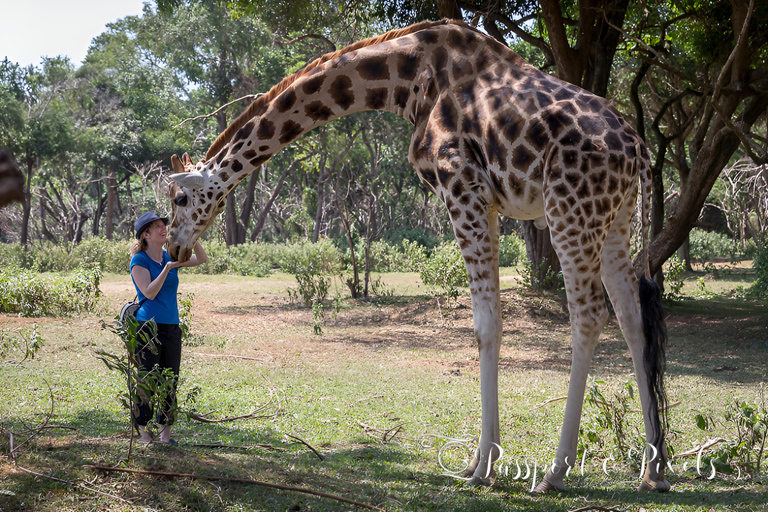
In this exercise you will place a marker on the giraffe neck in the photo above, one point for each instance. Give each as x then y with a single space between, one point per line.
395 76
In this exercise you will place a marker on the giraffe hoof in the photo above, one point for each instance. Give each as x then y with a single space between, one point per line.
545 486
650 486
477 481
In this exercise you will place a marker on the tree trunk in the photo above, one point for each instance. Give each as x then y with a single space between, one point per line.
111 192
544 262
684 254
448 9
27 207
268 206
99 209
710 159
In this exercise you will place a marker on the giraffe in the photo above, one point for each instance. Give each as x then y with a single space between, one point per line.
491 135
11 180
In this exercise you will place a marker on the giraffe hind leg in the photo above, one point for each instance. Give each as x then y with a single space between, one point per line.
637 308
588 313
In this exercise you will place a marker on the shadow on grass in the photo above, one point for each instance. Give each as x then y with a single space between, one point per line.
391 476
722 339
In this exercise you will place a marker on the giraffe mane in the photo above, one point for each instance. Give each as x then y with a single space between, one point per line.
225 136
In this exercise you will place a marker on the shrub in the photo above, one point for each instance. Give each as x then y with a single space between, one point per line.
511 250
709 245
312 265
27 293
443 271
673 277
111 256
759 288
421 236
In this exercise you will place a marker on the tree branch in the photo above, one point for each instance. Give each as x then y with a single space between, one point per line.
238 480
212 114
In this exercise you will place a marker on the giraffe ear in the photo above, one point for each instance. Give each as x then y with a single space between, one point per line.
188 180
186 160
178 167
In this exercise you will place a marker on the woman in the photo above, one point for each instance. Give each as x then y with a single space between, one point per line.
155 277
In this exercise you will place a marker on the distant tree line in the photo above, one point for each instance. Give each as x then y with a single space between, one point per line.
94 141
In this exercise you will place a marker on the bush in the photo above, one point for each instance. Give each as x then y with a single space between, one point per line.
312 265
111 256
708 245
423 237
759 288
511 250
27 293
443 271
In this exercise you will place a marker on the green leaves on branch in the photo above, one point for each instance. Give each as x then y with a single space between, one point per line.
28 293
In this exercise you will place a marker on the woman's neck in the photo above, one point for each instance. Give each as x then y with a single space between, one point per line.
155 251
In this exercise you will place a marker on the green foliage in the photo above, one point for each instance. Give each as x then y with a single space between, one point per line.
511 250
423 237
673 278
759 288
605 428
27 293
313 266
748 423
110 256
30 339
151 386
549 281
709 246
444 271
185 315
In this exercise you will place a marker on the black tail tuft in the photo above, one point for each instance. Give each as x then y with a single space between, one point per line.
654 355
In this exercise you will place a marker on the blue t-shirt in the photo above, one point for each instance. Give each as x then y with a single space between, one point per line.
164 308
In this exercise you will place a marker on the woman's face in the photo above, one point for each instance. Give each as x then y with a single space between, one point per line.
156 233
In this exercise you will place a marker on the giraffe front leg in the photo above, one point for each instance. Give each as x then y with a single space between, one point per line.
480 249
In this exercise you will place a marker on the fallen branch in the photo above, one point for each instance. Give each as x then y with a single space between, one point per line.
595 507
368 398
232 356
387 435
253 415
545 402
239 447
700 448
307 445
238 480
75 484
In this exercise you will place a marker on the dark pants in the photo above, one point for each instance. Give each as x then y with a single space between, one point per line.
168 355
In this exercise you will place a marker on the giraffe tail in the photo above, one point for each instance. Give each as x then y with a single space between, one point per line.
654 327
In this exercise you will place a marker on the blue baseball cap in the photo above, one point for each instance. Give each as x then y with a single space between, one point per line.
145 220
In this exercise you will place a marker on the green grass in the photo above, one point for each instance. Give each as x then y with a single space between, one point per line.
383 363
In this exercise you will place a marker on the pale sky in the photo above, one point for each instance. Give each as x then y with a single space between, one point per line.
31 29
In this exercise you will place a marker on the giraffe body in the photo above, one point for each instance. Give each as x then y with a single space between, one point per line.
11 180
492 135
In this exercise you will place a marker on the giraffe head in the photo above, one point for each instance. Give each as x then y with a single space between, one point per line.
197 196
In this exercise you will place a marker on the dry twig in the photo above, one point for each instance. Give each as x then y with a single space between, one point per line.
238 480
700 448
239 447
234 356
386 435
545 402
307 445
596 508
76 484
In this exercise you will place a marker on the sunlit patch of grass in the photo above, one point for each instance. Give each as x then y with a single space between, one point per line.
377 397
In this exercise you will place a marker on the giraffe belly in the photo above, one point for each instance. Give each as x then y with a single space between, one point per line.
529 206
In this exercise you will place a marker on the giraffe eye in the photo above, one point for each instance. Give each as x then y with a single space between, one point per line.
180 200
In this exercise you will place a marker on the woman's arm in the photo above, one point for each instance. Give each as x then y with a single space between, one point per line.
144 282
198 257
